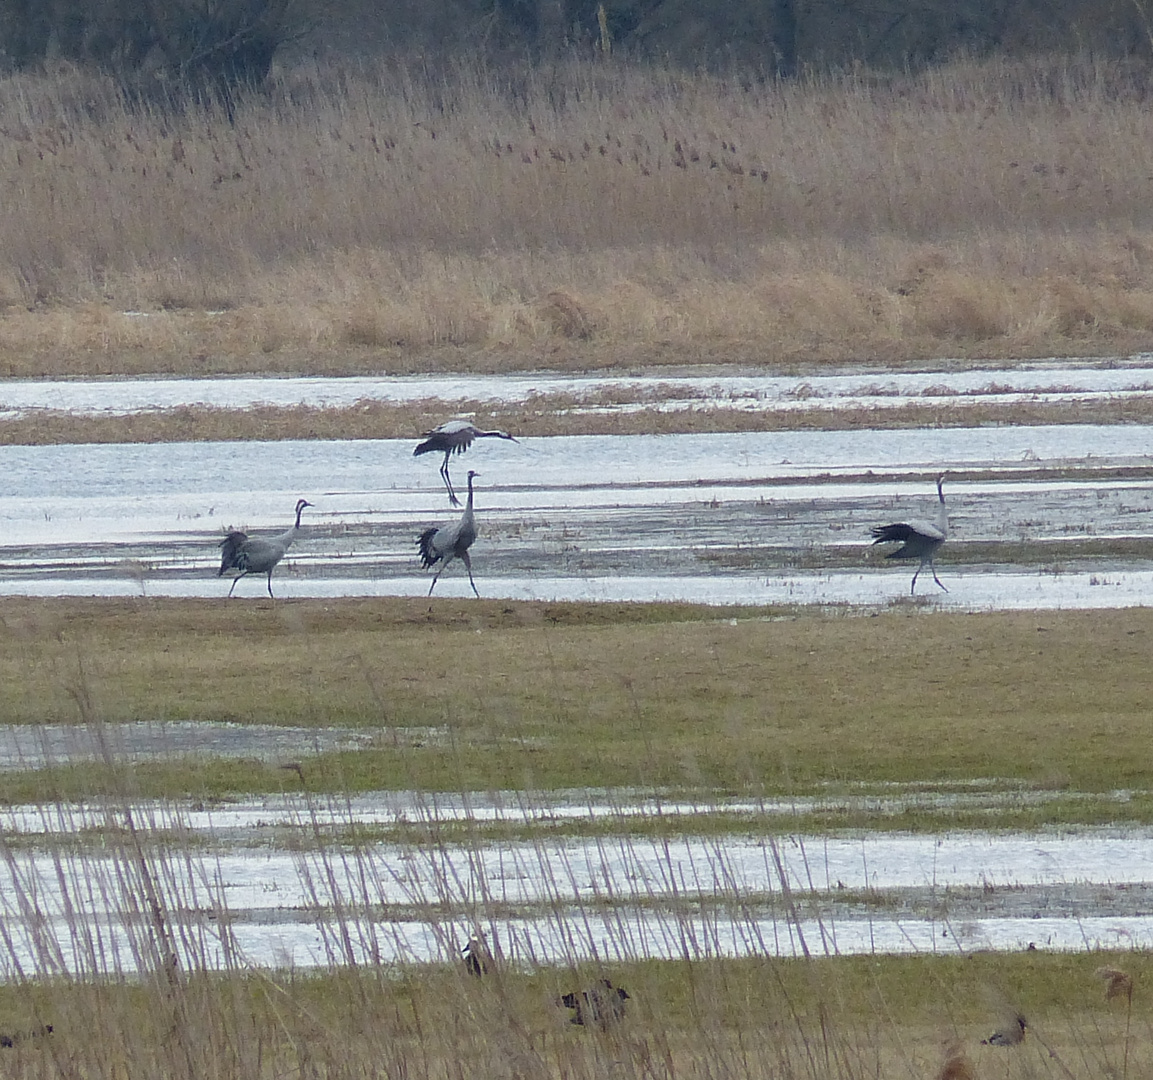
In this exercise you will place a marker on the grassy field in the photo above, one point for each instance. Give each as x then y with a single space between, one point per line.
490 695
884 1017
582 217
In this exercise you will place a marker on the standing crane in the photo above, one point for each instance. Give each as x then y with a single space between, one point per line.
454 437
256 554
450 542
919 539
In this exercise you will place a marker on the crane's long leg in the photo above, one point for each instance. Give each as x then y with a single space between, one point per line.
913 587
468 567
235 580
270 584
448 482
935 578
436 576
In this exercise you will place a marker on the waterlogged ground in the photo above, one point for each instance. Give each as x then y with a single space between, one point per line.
1045 382
1040 517
277 882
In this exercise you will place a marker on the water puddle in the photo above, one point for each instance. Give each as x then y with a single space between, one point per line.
565 940
43 745
242 819
564 899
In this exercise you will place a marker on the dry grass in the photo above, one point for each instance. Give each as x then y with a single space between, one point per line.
543 415
578 217
761 1019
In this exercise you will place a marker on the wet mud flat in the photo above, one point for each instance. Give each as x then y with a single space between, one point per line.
1048 517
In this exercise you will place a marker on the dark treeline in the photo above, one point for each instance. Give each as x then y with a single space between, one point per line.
223 43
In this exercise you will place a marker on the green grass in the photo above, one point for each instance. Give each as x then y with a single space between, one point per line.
489 695
483 695
852 1016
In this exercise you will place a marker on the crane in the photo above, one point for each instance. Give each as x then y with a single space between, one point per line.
454 437
918 539
256 554
450 542
602 1004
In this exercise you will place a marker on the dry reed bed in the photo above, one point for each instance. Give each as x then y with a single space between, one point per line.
377 420
576 216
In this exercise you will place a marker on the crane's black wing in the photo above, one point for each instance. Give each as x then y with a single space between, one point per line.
452 437
906 531
230 551
428 552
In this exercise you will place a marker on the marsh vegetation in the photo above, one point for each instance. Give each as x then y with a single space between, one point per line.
574 217
549 696
577 217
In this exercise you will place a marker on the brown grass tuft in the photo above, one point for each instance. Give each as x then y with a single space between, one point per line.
1117 983
956 1065
567 317
1075 308
960 306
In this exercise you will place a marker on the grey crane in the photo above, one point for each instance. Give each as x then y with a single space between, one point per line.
918 539
454 437
256 554
601 1004
450 542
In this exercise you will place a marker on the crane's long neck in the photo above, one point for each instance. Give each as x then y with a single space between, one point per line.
286 537
942 510
467 521
468 505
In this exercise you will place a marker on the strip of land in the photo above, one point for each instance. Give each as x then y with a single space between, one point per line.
375 420
540 696
892 1016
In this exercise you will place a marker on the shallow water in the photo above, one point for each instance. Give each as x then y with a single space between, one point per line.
42 745
777 517
239 819
605 935
773 517
565 899
1040 382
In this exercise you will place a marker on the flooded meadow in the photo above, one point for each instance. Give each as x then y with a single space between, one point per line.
1040 517
1043 517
